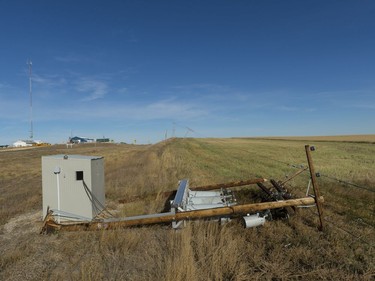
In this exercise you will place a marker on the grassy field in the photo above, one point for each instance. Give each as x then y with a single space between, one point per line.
345 138
280 250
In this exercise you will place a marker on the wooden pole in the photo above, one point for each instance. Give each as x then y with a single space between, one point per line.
198 188
294 175
189 215
315 185
229 184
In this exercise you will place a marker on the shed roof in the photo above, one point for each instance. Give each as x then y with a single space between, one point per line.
73 156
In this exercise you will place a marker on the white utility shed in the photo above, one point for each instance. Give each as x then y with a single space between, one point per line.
73 184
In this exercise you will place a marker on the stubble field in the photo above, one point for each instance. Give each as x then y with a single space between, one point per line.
290 249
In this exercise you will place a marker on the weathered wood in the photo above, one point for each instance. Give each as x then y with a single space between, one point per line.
166 194
229 184
294 175
45 220
315 186
189 215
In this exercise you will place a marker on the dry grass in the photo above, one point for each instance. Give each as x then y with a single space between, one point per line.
281 250
339 138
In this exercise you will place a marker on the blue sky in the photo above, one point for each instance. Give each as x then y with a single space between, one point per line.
132 70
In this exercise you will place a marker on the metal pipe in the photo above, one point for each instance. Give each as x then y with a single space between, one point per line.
57 171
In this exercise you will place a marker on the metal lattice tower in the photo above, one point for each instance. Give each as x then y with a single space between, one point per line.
29 63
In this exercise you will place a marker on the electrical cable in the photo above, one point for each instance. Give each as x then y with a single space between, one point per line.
244 150
343 229
301 166
298 167
69 215
347 231
95 201
348 183
285 163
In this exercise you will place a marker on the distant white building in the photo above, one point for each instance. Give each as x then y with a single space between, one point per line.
80 140
23 143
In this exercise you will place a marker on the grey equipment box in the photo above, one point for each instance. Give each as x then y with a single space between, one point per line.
73 184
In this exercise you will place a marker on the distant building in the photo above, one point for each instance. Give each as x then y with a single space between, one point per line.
23 143
103 140
80 140
77 140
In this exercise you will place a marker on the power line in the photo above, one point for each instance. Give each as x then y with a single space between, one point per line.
343 229
285 163
348 232
219 141
299 167
348 183
247 151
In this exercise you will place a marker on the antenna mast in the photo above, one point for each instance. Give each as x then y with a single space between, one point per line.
29 63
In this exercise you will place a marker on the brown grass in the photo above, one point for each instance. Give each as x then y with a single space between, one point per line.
280 250
339 138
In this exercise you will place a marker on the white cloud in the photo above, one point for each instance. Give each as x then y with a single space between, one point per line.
363 105
94 88
48 81
287 108
72 58
4 85
68 58
14 109
122 90
352 99
168 109
163 109
202 86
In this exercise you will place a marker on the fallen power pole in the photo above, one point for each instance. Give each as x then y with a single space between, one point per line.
171 217
203 202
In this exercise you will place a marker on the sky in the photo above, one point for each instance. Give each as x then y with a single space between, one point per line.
143 70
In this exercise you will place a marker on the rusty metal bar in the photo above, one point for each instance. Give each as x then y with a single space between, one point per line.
315 185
